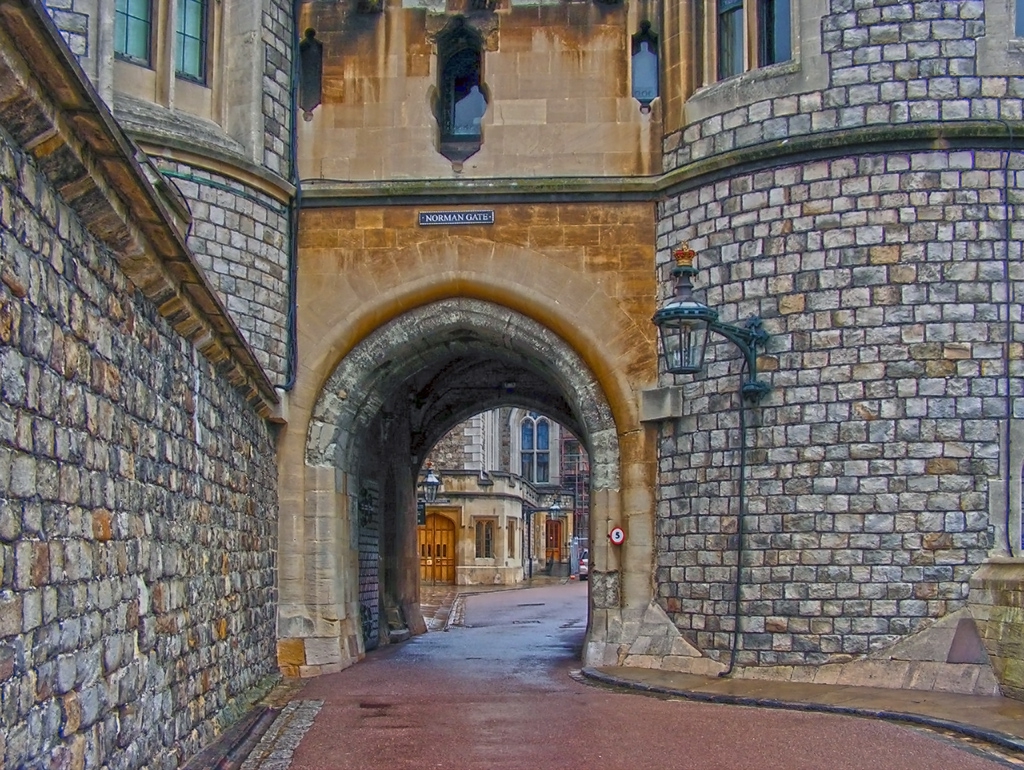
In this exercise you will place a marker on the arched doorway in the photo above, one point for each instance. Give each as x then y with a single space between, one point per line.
437 550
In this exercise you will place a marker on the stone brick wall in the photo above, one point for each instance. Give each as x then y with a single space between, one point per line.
369 567
72 23
450 451
880 65
240 239
279 40
880 279
137 507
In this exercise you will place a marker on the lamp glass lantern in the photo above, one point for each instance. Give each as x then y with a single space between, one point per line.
555 509
683 321
430 486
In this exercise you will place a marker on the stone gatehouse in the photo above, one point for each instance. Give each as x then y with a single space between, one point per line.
232 328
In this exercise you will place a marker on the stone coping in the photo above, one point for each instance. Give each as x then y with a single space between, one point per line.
320 193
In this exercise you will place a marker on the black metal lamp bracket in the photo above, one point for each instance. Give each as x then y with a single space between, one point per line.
747 338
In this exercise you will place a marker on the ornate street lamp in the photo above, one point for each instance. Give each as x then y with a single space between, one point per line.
430 485
684 323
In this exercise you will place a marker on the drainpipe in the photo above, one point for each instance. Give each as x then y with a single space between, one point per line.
291 344
741 510
1013 549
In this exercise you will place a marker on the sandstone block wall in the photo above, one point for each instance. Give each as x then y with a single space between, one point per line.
880 278
137 510
997 604
556 76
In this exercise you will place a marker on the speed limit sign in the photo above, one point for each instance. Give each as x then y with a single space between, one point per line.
617 536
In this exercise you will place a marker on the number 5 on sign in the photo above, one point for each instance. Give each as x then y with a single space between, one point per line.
617 536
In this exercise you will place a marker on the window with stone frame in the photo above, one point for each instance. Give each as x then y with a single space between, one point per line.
462 95
485 538
173 64
190 54
133 30
512 536
535 448
731 37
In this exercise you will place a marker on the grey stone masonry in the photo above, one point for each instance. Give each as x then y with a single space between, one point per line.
881 280
240 239
137 510
877 63
279 40
72 23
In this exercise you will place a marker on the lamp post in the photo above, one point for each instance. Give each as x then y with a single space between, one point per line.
683 324
553 510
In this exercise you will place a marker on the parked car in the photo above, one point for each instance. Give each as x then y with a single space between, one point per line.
584 571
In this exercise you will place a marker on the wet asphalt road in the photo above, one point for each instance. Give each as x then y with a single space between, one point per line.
497 693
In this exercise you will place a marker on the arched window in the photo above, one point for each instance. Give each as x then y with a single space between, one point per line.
534 448
462 95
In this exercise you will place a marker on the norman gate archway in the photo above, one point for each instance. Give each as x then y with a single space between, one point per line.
400 349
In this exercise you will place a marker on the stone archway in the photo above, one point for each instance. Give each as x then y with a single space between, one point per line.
378 382
382 341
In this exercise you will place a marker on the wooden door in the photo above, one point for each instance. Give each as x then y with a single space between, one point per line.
553 542
437 550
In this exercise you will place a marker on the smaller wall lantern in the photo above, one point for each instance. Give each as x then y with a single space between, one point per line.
430 485
645 66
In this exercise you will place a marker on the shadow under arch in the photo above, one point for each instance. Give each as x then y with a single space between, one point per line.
385 404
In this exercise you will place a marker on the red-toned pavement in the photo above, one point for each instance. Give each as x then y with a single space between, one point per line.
497 693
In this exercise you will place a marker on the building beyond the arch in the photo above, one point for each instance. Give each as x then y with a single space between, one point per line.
245 290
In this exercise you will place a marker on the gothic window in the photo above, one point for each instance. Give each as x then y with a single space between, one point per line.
190 40
485 539
133 29
534 449
462 95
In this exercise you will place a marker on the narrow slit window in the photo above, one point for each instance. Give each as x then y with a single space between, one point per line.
645 66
